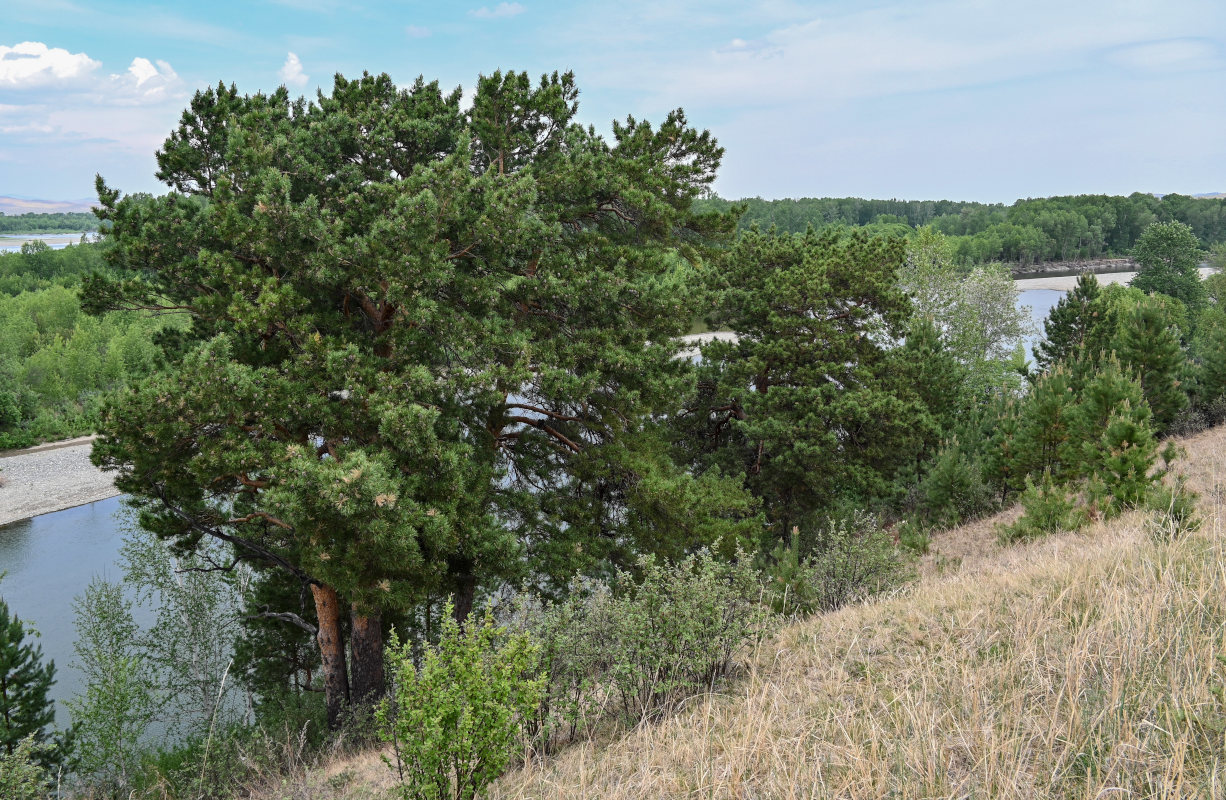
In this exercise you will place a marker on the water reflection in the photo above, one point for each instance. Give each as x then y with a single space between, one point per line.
49 560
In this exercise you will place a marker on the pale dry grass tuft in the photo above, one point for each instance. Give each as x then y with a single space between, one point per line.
1081 666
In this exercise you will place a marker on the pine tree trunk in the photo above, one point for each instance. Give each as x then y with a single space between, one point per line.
465 593
366 645
332 653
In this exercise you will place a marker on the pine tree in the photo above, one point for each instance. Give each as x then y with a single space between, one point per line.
936 375
1126 453
1101 398
1148 345
25 709
1211 353
1077 322
1043 437
416 329
815 408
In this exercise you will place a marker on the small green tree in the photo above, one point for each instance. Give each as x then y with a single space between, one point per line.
1210 347
456 721
25 709
1148 344
1078 321
1167 257
112 715
1043 436
1049 508
1125 455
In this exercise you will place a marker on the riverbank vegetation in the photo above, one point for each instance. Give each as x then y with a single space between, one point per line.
56 361
426 389
63 222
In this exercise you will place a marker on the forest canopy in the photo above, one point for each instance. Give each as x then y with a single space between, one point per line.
1026 233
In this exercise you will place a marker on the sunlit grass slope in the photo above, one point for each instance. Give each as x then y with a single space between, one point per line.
1081 666
1089 665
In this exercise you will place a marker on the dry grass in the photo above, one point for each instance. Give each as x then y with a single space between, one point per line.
1081 666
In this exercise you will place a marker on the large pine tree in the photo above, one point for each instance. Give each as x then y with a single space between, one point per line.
416 333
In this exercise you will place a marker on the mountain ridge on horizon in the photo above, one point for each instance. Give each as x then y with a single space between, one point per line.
11 205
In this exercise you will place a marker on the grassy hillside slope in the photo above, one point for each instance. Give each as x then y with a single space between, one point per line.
1080 666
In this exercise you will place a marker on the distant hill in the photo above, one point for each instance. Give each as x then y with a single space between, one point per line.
1211 195
26 205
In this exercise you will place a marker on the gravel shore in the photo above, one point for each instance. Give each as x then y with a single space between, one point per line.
50 477
1066 282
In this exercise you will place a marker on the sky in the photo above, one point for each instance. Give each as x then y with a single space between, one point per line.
955 99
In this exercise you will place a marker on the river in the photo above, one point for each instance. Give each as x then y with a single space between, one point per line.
11 243
49 560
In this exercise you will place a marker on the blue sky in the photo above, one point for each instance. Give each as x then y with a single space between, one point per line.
959 99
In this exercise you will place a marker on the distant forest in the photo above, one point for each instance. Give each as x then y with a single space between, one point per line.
1028 232
47 223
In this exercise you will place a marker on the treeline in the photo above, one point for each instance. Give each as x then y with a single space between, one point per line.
64 222
1026 233
56 361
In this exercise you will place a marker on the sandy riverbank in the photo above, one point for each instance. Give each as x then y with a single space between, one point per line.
50 477
1065 282
14 241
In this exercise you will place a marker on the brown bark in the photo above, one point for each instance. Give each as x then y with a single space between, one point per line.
332 653
366 646
465 591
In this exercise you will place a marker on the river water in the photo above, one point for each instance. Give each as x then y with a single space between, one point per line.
48 561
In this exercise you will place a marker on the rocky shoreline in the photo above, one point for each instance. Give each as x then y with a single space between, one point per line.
1074 268
50 477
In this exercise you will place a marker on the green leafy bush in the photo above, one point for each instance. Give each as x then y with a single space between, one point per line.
21 775
849 559
456 721
638 645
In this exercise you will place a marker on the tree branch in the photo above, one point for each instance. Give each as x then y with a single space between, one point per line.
284 616
539 424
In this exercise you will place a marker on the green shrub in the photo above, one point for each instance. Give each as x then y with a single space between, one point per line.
915 536
1048 508
643 643
847 559
1175 510
954 489
457 721
21 775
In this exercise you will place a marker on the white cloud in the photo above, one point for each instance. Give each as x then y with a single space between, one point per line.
144 83
416 31
500 11
78 108
35 65
291 72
